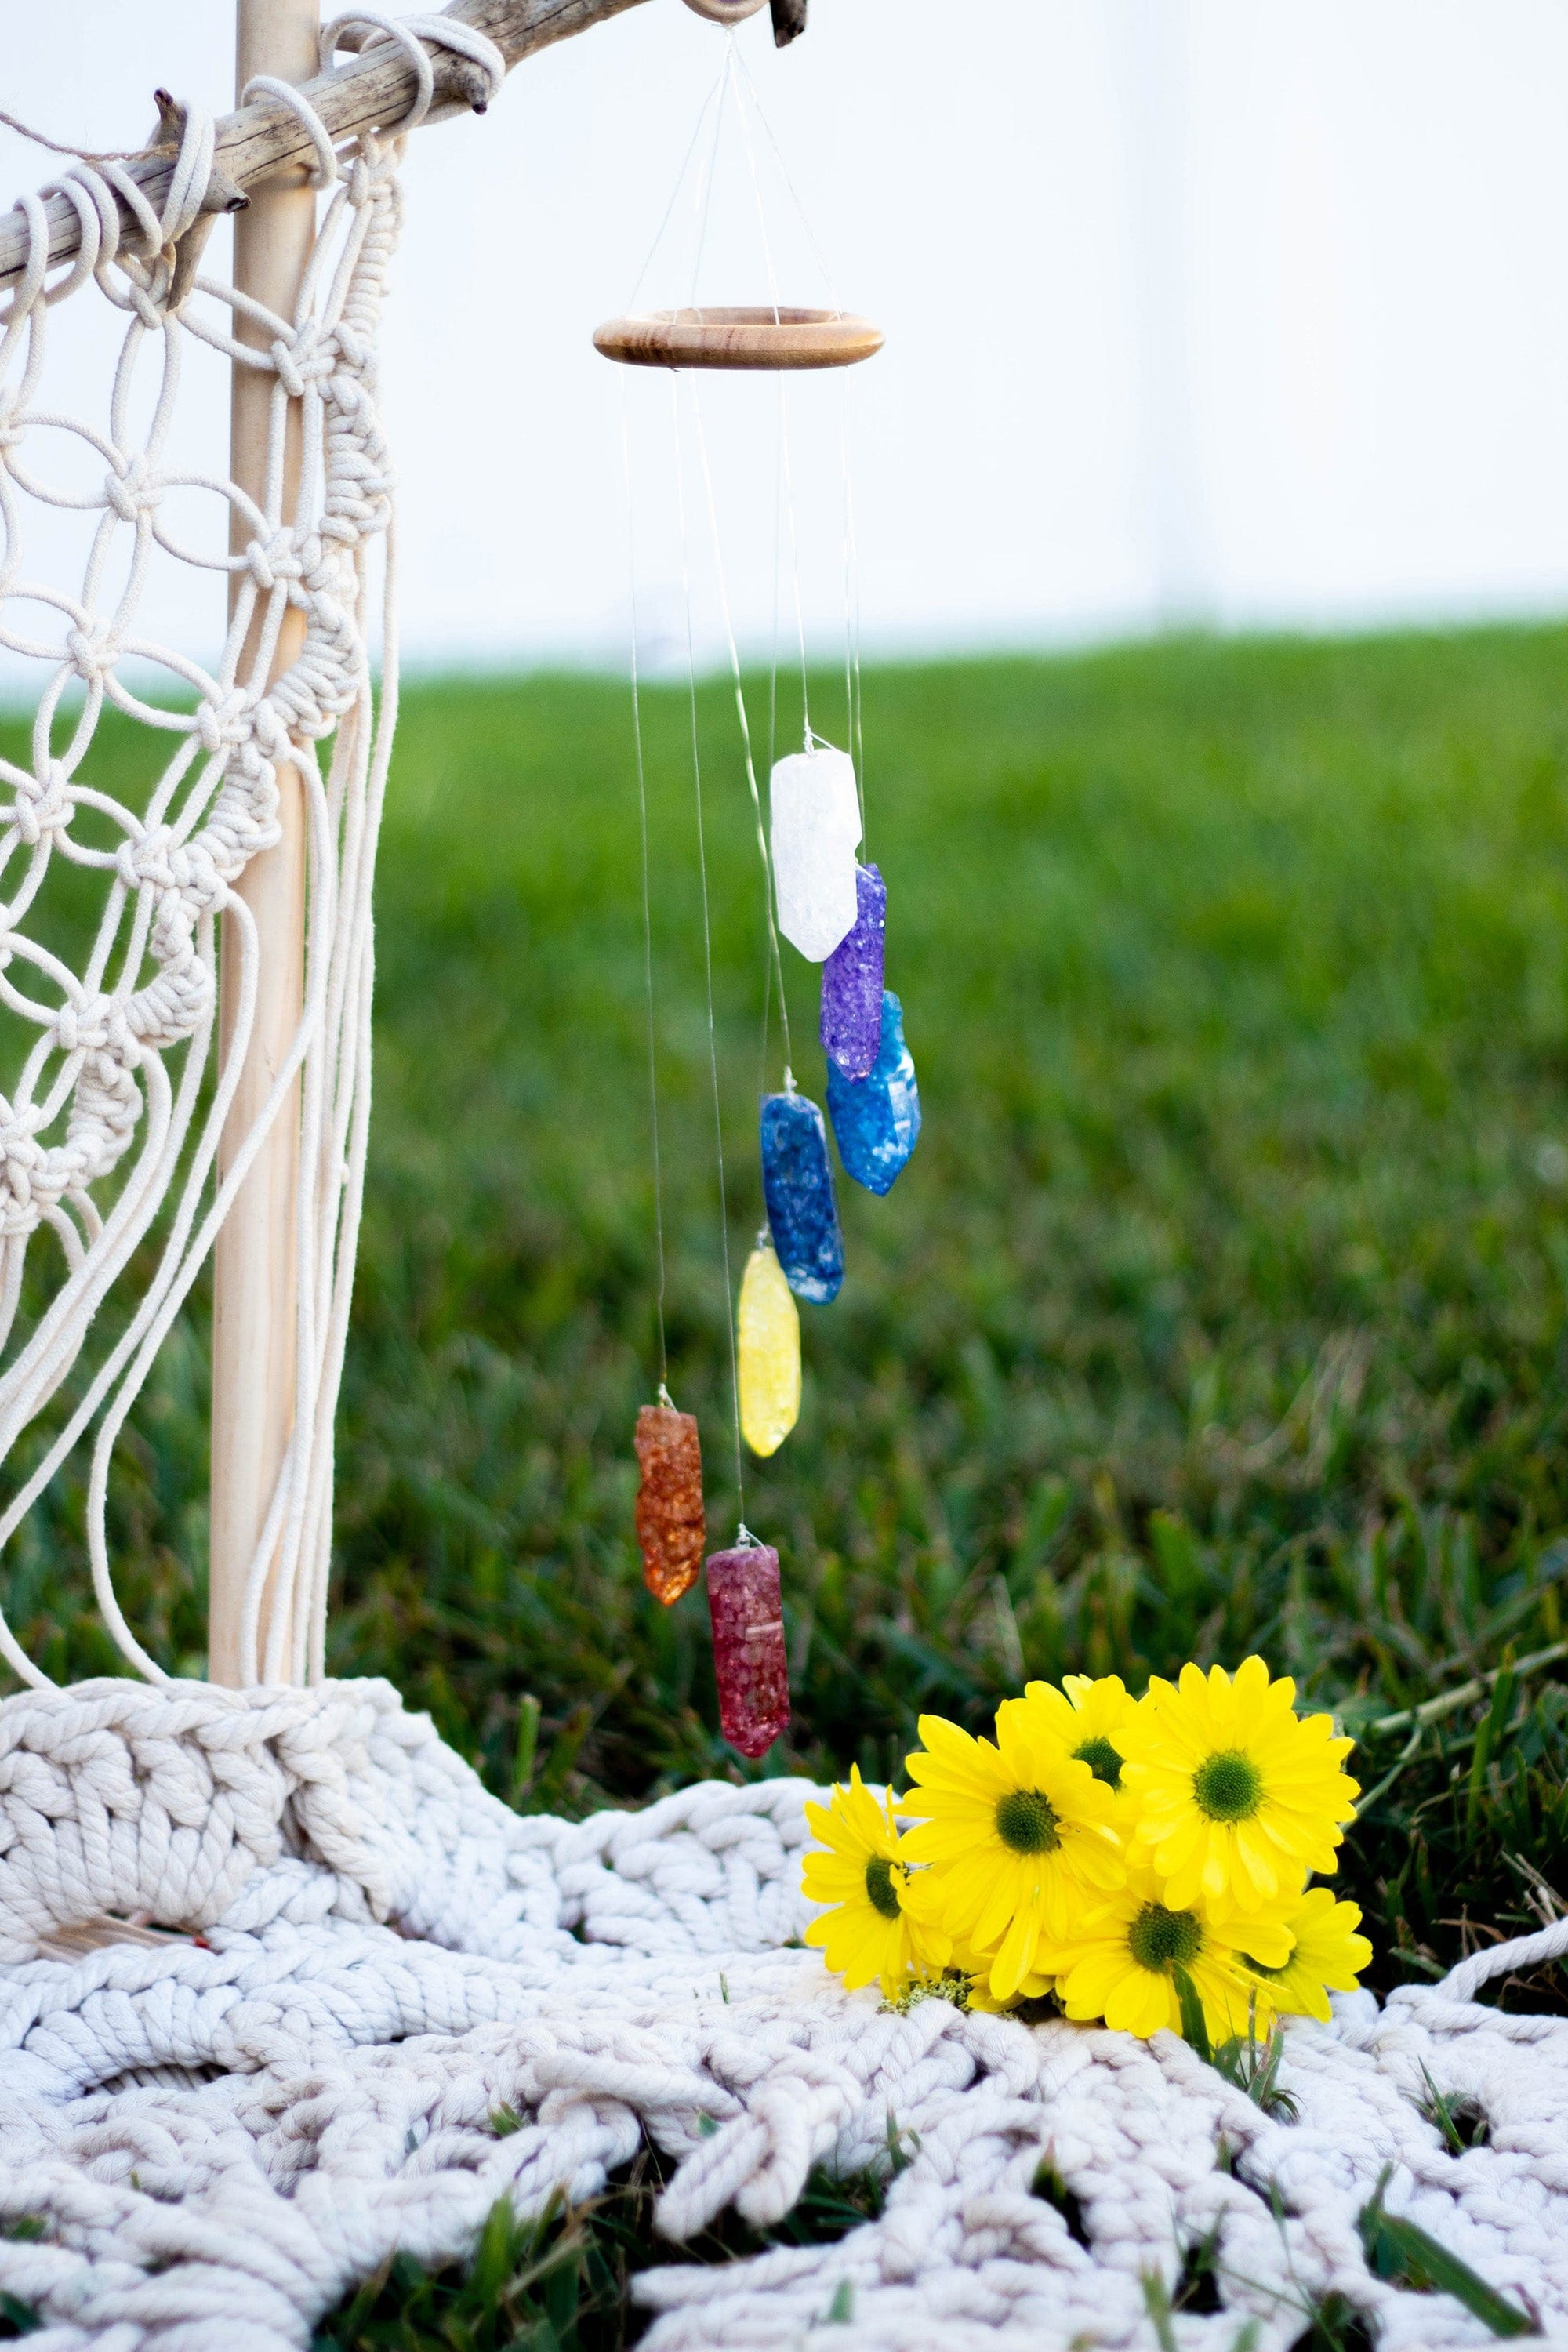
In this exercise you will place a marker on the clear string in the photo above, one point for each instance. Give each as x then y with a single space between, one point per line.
763 852
783 401
773 738
647 905
707 178
708 945
801 213
714 95
854 686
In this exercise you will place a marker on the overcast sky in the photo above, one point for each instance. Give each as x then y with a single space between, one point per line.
1195 309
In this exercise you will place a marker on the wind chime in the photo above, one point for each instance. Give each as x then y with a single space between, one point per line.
833 910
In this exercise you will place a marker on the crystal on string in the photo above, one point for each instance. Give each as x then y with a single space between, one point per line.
816 826
852 981
767 1352
876 1120
670 1524
797 1183
746 1608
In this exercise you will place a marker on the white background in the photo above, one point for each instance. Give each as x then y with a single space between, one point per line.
1196 309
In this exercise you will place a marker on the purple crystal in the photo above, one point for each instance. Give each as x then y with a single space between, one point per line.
746 1608
852 981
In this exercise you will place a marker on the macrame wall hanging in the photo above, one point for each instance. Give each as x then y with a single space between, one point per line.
818 897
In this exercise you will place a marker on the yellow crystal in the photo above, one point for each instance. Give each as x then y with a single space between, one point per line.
768 1336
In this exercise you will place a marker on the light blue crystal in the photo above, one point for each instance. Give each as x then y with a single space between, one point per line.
876 1120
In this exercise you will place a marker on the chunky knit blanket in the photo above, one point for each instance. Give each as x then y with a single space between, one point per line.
273 1965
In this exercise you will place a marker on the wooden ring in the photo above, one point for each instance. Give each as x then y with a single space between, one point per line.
754 337
725 12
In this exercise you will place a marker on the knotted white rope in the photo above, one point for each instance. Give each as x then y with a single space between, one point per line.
382 2000
115 1113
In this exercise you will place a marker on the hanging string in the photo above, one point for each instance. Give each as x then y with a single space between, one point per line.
715 96
801 213
707 948
772 734
763 851
854 688
784 403
82 154
706 181
647 905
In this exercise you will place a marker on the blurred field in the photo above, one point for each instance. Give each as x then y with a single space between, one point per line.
1221 1307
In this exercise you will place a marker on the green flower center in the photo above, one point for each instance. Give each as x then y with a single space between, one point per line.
880 1892
1025 1822
1229 1787
1103 1760
1158 1936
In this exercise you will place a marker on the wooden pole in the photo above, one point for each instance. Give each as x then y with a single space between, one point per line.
254 1270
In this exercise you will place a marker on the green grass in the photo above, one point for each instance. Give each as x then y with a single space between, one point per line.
1222 1306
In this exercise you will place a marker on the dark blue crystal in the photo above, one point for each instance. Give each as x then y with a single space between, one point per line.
876 1120
797 1183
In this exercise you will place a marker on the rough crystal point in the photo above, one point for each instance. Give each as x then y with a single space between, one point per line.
768 1354
670 1524
852 983
797 1183
747 1611
876 1120
815 825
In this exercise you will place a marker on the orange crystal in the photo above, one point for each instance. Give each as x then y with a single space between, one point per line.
671 1528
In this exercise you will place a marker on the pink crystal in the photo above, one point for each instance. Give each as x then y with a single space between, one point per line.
747 1611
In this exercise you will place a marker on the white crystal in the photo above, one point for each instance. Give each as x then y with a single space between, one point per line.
816 829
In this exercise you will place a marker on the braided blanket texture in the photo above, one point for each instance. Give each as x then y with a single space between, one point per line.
213 2132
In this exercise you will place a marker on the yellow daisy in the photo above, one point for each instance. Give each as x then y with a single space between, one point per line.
1017 1835
1326 1954
860 1871
1236 1797
976 1966
1120 1963
1086 1716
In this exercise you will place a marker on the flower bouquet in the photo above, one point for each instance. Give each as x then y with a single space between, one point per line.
1144 1861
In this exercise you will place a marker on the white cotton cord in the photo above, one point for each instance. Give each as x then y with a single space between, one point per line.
1464 1982
355 1958
708 945
410 35
118 1098
325 169
646 895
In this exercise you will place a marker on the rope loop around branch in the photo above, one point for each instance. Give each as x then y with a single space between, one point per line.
411 34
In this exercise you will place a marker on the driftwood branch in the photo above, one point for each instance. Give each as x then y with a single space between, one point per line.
263 142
